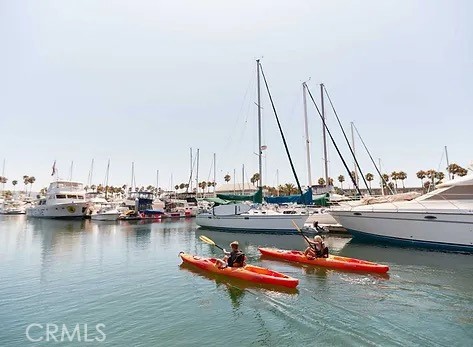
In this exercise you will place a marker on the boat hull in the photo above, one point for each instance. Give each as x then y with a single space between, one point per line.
248 273
63 211
105 216
448 231
332 262
251 223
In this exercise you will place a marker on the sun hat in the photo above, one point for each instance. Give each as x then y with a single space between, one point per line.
234 243
318 238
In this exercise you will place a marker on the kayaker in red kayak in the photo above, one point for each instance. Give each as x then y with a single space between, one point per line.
235 258
316 249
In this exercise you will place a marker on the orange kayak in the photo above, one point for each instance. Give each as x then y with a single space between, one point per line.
248 272
333 261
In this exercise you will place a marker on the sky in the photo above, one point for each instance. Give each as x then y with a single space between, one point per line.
145 81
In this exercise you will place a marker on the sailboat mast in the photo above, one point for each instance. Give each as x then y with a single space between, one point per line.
448 163
132 176
91 172
215 173
307 141
106 179
324 132
190 179
260 151
157 181
353 146
197 176
243 179
3 175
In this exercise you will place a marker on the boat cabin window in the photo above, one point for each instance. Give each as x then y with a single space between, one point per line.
60 196
454 193
71 196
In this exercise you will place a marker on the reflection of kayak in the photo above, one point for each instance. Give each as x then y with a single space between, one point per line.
248 272
333 261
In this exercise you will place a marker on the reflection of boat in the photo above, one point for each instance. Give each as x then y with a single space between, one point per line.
64 199
441 219
248 272
333 261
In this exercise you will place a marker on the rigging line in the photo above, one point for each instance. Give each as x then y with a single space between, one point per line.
280 130
190 176
372 160
334 144
240 112
348 142
441 160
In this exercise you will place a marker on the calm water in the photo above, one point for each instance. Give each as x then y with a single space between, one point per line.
128 277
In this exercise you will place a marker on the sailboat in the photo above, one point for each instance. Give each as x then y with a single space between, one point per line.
107 211
244 217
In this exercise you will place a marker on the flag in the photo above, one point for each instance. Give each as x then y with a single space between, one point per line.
54 168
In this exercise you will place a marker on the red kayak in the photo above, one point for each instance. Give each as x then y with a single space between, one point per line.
333 261
248 272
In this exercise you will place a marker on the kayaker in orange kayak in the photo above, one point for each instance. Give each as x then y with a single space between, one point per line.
235 258
316 249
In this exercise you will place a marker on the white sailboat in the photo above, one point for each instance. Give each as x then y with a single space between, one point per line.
251 218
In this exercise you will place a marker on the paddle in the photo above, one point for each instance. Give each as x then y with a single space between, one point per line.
209 241
299 230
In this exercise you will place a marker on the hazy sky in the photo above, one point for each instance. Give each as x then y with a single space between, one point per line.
144 81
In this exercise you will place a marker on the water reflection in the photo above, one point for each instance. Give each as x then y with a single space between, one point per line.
236 288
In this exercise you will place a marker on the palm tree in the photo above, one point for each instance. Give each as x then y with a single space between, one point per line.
182 186
341 179
14 182
439 176
402 176
31 180
369 177
395 177
227 178
176 187
385 178
93 187
431 174
421 175
321 181
462 172
330 181
25 182
255 178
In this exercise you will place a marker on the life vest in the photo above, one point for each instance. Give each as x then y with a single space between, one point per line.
236 258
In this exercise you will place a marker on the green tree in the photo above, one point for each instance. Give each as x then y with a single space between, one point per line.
31 180
402 176
321 181
369 177
227 178
341 179
421 175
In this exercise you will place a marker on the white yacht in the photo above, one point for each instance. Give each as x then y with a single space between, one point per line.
64 199
440 219
107 212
